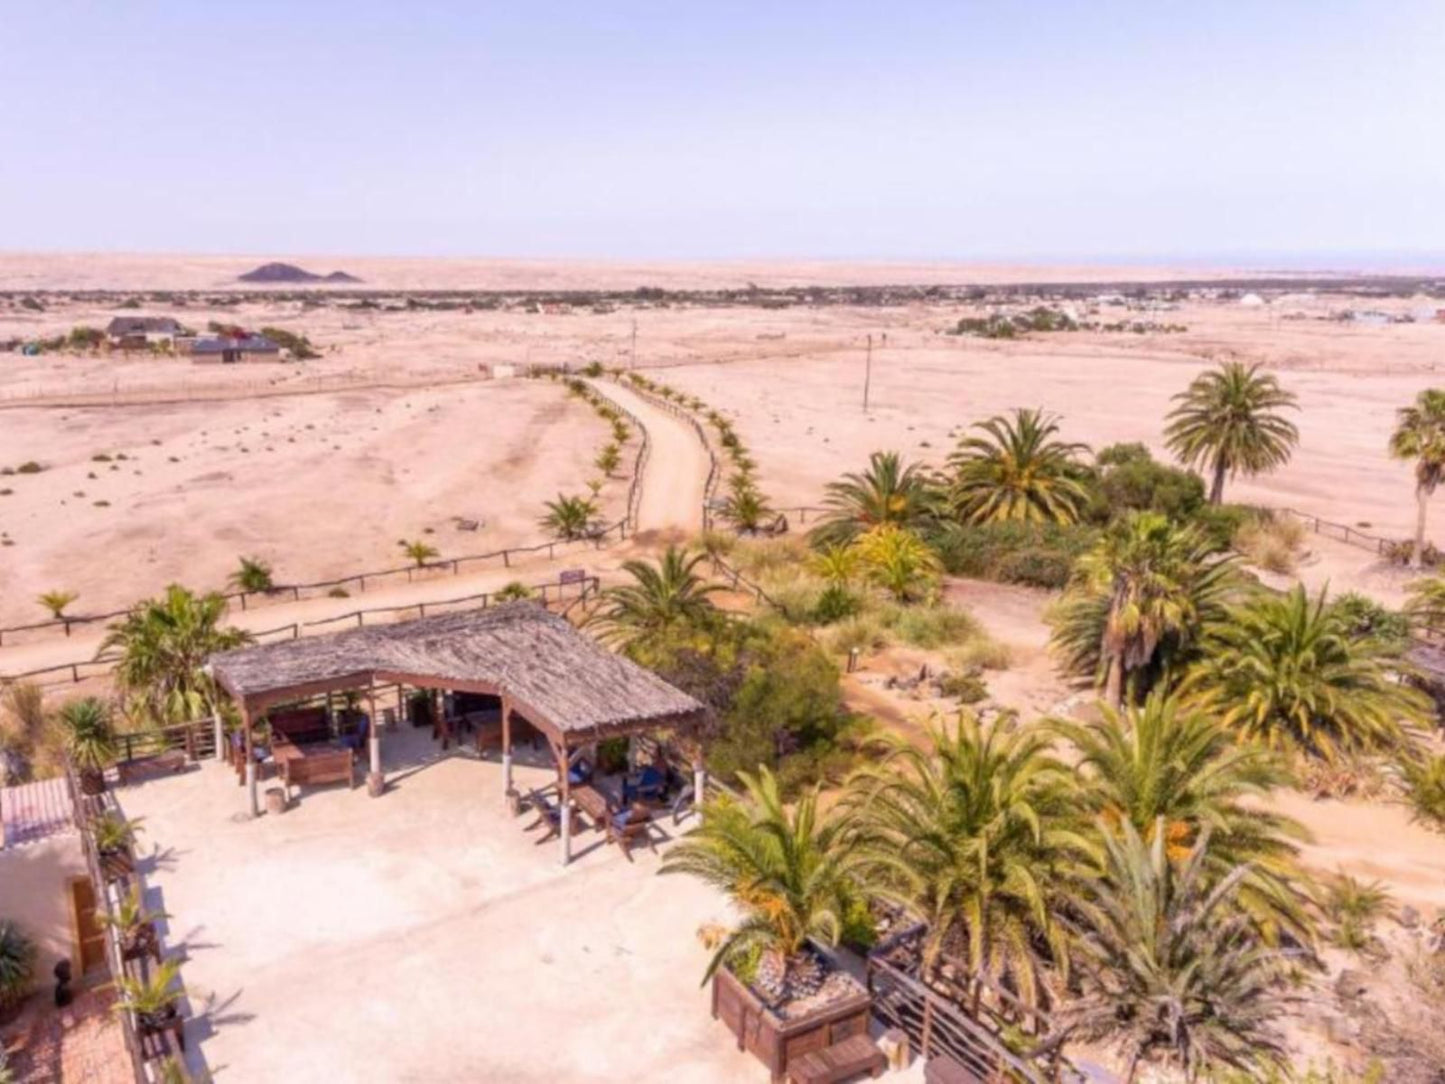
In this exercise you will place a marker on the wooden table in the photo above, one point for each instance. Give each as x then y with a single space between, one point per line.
592 802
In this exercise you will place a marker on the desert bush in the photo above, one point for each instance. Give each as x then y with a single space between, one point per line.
760 557
1343 777
1424 779
1364 616
1271 542
928 626
863 632
1127 478
1353 907
1036 555
965 686
981 652
834 604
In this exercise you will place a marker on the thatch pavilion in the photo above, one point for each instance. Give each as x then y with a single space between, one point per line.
567 686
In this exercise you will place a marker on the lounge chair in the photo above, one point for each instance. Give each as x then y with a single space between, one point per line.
549 813
648 785
628 827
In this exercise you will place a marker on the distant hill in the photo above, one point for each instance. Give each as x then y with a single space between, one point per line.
289 273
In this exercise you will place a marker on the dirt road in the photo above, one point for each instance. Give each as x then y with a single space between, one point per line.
676 474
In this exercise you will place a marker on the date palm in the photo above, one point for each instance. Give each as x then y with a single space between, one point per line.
980 835
1172 967
1425 605
253 576
887 492
1229 421
1017 471
1139 601
1167 767
662 598
160 650
1288 671
57 602
570 518
1420 436
746 509
608 459
787 870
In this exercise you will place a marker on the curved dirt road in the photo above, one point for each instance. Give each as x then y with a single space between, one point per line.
676 474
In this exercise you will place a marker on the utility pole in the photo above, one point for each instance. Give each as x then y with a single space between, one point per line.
867 373
634 344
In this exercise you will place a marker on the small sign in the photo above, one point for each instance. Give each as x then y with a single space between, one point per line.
572 575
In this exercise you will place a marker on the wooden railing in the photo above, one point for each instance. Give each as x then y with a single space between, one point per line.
1342 532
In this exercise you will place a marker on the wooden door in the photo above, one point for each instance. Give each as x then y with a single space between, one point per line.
88 935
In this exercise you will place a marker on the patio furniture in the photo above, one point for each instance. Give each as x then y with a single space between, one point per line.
592 802
298 765
550 814
579 773
631 826
356 740
851 1058
647 785
301 725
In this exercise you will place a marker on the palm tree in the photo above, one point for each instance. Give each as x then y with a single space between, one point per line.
418 551
1287 670
1018 472
746 509
887 492
1166 766
1420 435
788 872
570 518
1228 422
661 599
57 601
1139 600
980 835
898 561
252 577
608 459
160 650
1173 969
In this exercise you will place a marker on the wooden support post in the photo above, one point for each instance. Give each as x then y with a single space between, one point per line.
699 784
564 793
249 750
375 780
509 792
220 732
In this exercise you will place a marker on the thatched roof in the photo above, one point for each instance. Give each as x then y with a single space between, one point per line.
554 674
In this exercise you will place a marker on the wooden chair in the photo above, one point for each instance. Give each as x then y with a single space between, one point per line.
629 827
550 814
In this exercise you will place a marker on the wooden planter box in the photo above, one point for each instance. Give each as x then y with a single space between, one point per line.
777 1042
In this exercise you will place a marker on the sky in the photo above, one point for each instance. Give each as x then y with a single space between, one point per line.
1274 132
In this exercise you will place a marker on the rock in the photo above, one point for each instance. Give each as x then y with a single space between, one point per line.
1351 984
1409 917
1342 1029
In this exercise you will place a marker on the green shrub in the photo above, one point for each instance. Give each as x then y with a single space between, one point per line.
1425 788
834 604
929 626
1036 566
1366 617
1128 478
982 652
1038 555
862 632
965 687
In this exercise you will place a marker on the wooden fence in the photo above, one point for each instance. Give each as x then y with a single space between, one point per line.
1342 532
553 593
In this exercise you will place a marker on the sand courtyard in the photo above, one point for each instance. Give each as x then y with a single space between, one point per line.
424 935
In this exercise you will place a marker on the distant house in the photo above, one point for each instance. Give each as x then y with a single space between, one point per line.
141 331
229 349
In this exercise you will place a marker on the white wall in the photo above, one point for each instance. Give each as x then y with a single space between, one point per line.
34 880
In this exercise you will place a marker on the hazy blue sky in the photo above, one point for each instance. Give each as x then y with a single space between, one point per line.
949 130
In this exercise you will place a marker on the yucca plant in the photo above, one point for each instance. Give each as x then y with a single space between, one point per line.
608 459
898 561
17 965
513 592
1353 907
57 602
152 999
89 740
114 837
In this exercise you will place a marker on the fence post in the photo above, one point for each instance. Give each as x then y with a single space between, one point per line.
506 559
927 1036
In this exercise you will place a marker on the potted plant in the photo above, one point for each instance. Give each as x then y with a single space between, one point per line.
790 875
135 929
89 740
17 968
114 839
152 1000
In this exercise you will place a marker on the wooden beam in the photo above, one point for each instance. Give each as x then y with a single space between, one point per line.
248 749
375 780
509 792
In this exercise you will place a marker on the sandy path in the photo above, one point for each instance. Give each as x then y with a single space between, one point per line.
677 467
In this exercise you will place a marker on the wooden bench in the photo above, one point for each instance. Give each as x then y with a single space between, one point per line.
851 1058
172 760
298 765
945 1070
